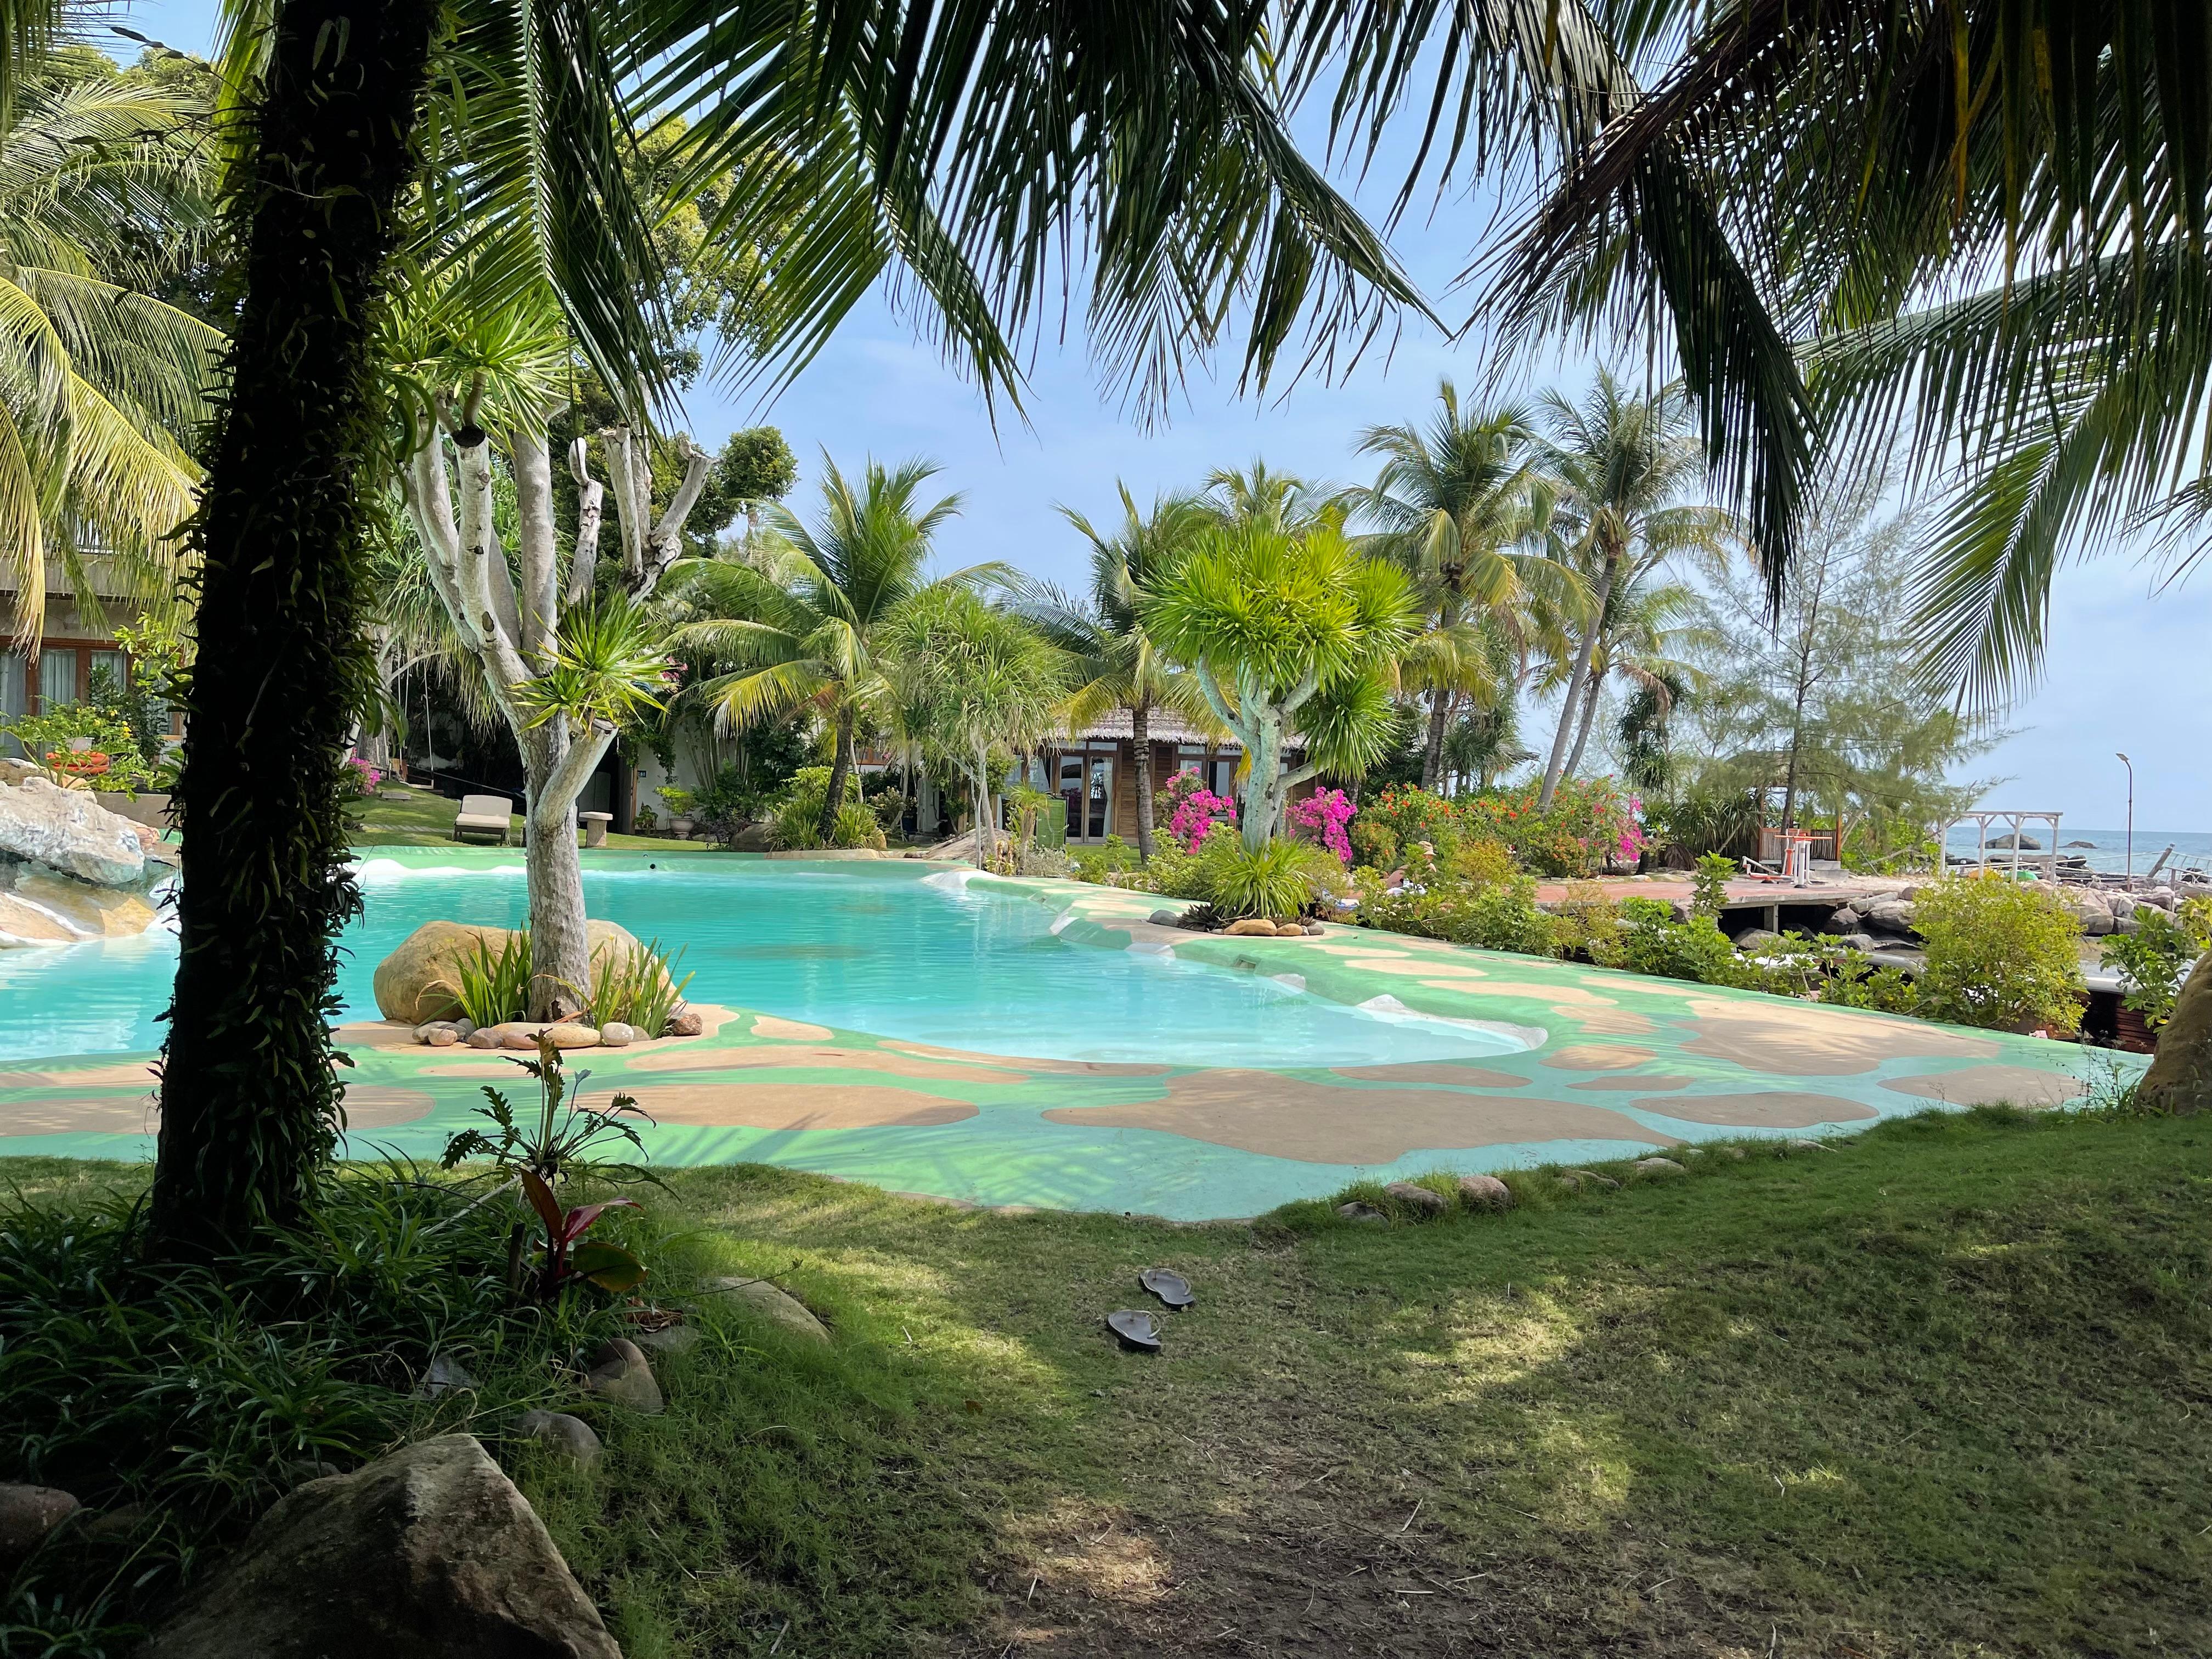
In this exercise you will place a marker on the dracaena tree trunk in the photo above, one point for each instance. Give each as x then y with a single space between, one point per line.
249 1102
1141 749
511 628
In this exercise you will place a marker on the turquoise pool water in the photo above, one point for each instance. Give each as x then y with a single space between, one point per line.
866 947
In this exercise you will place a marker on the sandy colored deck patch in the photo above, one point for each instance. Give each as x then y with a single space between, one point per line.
813 1057
64 1114
1434 1071
1597 1057
1778 1108
122 1075
1802 1039
375 1034
1988 1085
1626 1082
1035 1067
780 1029
1564 998
1414 967
800 1106
379 1106
1610 1022
1317 1123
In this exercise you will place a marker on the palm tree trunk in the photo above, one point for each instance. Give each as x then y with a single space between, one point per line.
1590 700
560 951
1571 706
249 1102
1432 757
1140 732
841 774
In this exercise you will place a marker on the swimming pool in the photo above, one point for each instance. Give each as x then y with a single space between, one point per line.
882 948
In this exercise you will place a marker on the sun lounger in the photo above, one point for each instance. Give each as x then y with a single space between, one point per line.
483 817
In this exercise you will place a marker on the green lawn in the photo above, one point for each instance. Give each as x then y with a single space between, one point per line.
427 821
1941 1391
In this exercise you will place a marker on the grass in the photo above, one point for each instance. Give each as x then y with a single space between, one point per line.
427 821
1939 1391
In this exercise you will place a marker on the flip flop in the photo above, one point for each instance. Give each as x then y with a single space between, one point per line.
1137 1328
1171 1287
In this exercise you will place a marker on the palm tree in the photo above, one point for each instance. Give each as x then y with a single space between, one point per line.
1114 662
857 147
1988 231
808 629
1292 636
1462 506
1620 463
1648 621
101 384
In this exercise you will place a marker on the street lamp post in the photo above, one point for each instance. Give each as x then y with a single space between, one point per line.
2130 765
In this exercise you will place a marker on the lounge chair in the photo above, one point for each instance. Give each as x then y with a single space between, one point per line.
483 816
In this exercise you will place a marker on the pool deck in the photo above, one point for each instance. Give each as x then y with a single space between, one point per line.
1618 1065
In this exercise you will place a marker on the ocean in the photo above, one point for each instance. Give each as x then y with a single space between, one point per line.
2107 848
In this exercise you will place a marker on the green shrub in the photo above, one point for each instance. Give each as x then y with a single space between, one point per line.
1505 917
1588 821
1653 942
637 987
1279 878
1386 828
1709 884
1856 982
495 987
1484 862
797 821
2154 957
2002 955
1587 922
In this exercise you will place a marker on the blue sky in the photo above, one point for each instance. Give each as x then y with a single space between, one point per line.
2118 675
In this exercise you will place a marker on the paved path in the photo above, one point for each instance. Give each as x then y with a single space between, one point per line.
1618 1065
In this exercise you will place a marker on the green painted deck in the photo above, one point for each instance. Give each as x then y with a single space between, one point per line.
1618 1065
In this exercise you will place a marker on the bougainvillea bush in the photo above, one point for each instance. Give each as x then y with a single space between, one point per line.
1192 809
1323 816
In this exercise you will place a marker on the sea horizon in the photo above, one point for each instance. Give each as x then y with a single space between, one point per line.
2106 850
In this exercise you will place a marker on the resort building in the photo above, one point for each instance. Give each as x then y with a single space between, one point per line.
72 647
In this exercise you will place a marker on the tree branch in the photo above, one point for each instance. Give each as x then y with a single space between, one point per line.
667 538
631 511
549 807
541 570
482 558
591 503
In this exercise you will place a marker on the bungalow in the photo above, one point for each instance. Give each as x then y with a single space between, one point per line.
1095 770
71 649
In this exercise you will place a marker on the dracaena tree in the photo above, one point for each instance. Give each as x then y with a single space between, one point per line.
1113 658
1294 636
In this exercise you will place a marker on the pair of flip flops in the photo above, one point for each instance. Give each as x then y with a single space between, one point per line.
1140 1328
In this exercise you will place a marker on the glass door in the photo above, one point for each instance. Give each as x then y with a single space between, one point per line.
1098 803
1070 787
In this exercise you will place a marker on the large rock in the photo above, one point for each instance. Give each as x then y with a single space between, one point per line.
27 1514
430 1553
779 1305
421 982
68 830
88 910
1890 917
2180 1075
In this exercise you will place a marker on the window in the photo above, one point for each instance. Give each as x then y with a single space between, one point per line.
56 678
15 685
115 664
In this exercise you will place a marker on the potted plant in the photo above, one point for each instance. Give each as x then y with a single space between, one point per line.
680 805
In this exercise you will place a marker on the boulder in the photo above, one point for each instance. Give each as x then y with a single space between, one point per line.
565 1436
779 1305
1752 939
1485 1192
421 982
22 924
1858 942
430 1552
1164 918
68 830
2181 1076
669 1338
524 1034
86 909
484 1037
1841 919
1890 917
616 1034
1365 1214
1659 1166
440 1035
618 1370
2122 905
27 1514
753 838
686 1022
1418 1197
2090 910
1250 928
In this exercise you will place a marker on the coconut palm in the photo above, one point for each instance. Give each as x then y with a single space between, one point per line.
1462 505
1293 637
1620 463
1649 621
807 628
101 384
1113 659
